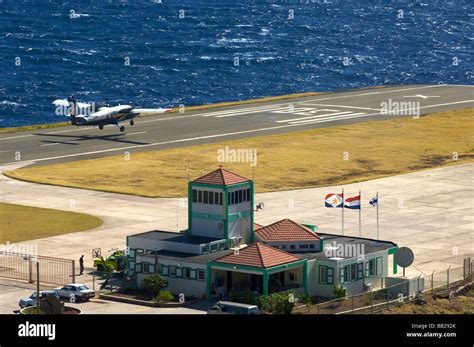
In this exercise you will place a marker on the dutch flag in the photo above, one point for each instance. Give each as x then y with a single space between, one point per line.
353 203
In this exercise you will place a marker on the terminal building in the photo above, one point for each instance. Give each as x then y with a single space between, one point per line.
224 250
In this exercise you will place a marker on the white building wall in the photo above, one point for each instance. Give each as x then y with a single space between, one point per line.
177 285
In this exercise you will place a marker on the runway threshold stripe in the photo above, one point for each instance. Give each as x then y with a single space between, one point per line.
312 117
331 119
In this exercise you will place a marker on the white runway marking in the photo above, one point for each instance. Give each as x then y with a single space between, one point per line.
311 117
343 106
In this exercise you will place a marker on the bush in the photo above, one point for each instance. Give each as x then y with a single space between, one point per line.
245 297
305 299
279 303
164 296
339 292
154 284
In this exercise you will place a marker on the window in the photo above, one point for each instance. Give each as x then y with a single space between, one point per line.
200 275
245 195
211 198
360 271
248 194
283 246
370 267
353 272
292 277
292 246
206 197
311 246
140 251
342 274
179 272
195 195
146 268
326 274
187 273
232 198
200 196
241 196
172 271
221 196
303 246
216 198
159 269
378 267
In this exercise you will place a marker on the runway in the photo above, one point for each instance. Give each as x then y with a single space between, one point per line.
220 124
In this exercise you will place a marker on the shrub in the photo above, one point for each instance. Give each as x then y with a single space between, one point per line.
339 292
164 296
305 299
154 284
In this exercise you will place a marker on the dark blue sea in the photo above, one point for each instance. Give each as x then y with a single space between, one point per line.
166 53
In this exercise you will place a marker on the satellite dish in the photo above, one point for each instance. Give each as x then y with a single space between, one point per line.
404 257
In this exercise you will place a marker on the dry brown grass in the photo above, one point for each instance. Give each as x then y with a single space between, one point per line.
312 158
20 223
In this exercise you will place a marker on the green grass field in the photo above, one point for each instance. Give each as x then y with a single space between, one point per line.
20 223
312 158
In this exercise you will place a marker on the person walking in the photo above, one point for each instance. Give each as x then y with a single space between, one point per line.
81 264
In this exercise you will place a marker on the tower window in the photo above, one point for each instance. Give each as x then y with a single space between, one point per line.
206 197
195 195
220 198
248 194
199 196
211 198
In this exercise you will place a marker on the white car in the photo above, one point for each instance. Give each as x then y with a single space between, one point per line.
75 292
31 300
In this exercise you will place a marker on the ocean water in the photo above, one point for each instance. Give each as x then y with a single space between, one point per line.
166 53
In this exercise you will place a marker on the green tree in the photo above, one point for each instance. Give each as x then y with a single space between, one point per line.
154 284
339 292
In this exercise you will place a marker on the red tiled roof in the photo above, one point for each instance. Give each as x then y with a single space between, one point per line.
221 177
258 255
285 230
257 226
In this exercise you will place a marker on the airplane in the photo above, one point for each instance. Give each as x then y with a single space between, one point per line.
91 114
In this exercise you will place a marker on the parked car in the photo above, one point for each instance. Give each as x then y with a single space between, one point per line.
227 307
80 292
31 300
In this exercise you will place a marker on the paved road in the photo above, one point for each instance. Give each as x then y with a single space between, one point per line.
189 128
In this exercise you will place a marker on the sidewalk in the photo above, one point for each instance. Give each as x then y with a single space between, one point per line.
430 211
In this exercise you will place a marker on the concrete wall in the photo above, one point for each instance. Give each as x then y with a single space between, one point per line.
208 228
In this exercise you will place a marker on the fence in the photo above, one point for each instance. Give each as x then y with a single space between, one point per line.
25 267
377 300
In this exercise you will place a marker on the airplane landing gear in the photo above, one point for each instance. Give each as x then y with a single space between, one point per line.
122 128
132 122
101 127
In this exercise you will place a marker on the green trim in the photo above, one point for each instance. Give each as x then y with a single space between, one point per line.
393 251
190 208
305 277
310 226
265 283
238 185
238 267
239 215
226 215
287 266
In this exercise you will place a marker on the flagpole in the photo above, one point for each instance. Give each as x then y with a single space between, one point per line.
377 197
343 211
360 213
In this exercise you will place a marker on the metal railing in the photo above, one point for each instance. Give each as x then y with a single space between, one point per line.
380 299
24 267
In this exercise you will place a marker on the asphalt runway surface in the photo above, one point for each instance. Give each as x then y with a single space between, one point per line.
172 130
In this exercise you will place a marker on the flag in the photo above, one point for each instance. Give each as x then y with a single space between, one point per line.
374 201
353 203
334 200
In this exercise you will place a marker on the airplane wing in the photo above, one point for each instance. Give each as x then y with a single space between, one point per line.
142 111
